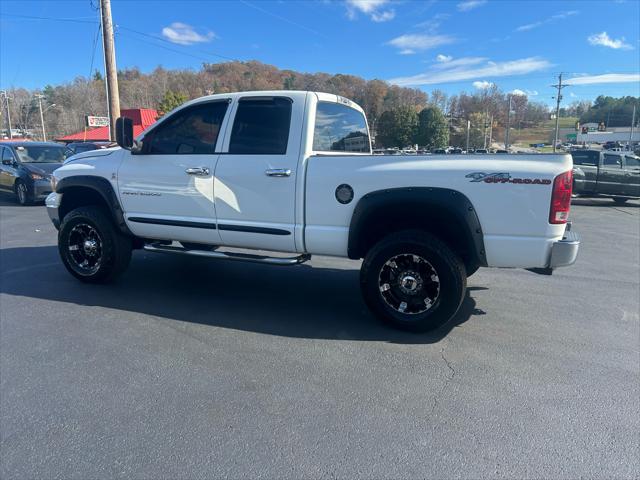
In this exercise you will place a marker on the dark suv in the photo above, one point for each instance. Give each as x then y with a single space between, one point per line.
27 166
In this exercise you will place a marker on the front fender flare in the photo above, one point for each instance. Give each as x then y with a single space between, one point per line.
104 188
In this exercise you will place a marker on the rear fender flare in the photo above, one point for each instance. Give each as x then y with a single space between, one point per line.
443 200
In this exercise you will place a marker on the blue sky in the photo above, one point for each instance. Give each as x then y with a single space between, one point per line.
450 45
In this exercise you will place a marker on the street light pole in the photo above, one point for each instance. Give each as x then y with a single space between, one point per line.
44 135
633 121
4 95
506 138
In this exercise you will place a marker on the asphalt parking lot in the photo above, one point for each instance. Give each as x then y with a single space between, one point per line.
198 369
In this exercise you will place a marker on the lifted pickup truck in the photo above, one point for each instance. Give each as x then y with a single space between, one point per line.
292 171
607 173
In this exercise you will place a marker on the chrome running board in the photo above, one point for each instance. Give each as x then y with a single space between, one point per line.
242 257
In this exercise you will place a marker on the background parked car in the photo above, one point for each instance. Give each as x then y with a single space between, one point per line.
27 166
79 147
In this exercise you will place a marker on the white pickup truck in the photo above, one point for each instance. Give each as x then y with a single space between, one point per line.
293 171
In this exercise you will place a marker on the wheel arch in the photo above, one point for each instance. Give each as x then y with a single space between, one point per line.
84 190
444 212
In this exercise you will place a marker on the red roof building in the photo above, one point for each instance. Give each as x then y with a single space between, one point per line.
142 119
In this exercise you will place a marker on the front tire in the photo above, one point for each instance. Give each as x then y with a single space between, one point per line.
22 193
91 247
413 281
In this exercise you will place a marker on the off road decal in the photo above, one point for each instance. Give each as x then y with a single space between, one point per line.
504 177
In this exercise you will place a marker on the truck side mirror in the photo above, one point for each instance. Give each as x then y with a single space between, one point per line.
7 162
124 132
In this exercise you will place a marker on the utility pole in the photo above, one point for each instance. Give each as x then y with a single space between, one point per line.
44 135
506 136
111 72
468 129
559 86
4 95
633 121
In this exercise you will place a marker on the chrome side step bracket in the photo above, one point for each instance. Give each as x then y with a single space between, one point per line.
242 257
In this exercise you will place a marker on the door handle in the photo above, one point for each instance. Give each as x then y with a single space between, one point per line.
200 171
278 172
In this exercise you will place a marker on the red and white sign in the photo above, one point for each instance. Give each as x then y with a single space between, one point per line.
97 121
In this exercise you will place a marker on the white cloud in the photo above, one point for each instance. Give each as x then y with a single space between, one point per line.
470 5
605 78
444 58
482 85
458 62
372 8
434 23
604 40
184 34
413 42
437 74
517 91
572 95
552 18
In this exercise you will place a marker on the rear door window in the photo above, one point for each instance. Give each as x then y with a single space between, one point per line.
261 126
586 158
340 128
612 161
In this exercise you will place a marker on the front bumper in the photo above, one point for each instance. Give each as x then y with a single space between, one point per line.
41 189
52 203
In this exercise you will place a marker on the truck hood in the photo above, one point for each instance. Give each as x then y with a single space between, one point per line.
102 152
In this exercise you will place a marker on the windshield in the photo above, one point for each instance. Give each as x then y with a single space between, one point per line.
41 154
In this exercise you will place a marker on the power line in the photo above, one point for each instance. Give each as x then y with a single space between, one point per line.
160 39
32 17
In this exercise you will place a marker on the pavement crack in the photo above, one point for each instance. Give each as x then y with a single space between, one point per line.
623 211
452 373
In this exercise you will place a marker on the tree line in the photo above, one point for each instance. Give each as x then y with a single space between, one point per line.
399 116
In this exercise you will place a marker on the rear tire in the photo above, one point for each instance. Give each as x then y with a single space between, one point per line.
620 200
413 281
22 193
91 247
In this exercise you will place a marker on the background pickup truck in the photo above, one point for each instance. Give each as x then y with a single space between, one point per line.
614 174
292 171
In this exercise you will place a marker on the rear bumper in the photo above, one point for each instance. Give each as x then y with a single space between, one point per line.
564 252
52 203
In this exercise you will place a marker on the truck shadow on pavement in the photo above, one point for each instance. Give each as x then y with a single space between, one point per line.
301 301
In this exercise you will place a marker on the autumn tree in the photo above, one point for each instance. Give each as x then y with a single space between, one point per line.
432 131
170 101
397 127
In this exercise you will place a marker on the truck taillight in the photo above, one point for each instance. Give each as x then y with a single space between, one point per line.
561 198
